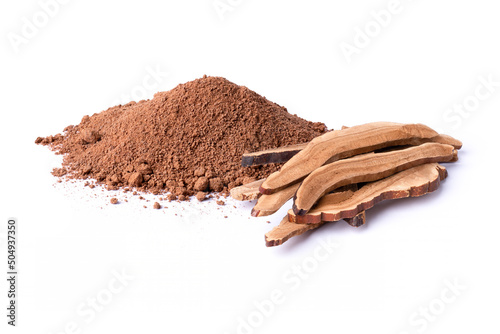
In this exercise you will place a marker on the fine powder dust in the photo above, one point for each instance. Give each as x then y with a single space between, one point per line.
186 140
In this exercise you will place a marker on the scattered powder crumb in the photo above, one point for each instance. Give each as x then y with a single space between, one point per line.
201 196
114 200
221 202
156 206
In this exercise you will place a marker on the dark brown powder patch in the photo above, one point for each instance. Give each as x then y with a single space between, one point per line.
186 140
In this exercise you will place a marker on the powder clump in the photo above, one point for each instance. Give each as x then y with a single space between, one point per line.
185 141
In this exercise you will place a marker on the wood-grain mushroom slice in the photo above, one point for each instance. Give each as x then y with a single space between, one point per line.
348 142
365 168
413 182
360 218
250 191
445 139
285 153
275 155
269 204
287 229
247 192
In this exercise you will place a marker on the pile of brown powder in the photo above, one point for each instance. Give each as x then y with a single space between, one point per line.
186 140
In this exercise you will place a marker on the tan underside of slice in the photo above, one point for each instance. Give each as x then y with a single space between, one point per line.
269 204
247 192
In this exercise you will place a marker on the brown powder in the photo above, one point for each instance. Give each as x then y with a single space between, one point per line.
186 140
200 196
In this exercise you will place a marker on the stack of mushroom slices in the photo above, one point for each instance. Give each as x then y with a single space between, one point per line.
343 173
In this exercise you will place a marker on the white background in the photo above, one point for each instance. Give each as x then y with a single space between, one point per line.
198 272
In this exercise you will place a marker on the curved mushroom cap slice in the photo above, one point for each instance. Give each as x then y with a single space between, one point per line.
287 229
339 144
366 168
351 206
413 182
344 143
